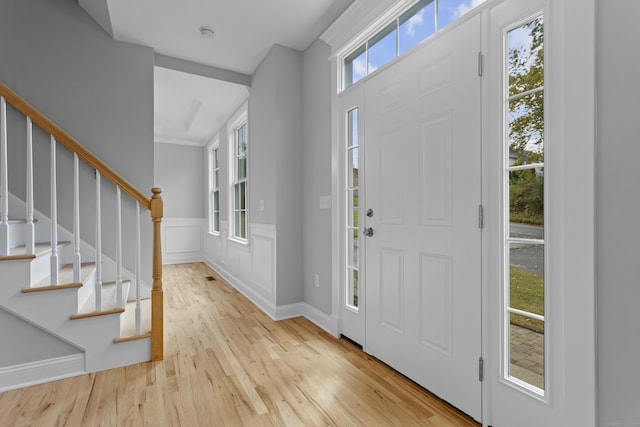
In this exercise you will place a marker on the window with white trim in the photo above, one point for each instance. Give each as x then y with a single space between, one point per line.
399 34
214 188
239 144
352 205
524 208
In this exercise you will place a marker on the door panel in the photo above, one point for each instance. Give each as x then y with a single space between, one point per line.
422 153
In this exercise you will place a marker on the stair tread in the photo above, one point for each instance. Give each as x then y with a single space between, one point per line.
65 275
20 221
41 248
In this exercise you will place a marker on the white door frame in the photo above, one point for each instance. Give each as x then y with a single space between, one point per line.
570 79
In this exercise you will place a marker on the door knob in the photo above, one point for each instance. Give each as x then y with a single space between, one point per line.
369 212
368 231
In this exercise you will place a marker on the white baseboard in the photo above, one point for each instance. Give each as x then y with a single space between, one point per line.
301 309
315 316
44 371
246 290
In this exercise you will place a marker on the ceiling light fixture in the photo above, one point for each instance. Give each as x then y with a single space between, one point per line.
206 32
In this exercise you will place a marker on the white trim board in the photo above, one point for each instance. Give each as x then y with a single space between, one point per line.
28 374
324 321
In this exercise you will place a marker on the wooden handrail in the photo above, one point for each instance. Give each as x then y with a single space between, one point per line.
73 145
154 205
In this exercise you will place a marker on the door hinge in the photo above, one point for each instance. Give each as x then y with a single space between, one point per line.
480 216
480 369
480 64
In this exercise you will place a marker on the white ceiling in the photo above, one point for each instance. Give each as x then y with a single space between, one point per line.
191 108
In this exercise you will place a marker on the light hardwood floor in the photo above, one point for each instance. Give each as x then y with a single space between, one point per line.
227 364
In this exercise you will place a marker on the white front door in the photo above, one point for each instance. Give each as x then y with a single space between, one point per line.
423 186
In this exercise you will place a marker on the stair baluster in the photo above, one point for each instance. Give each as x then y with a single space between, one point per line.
153 205
54 215
77 258
98 245
137 272
119 300
29 230
4 185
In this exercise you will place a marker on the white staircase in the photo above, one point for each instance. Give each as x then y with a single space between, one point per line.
62 291
105 336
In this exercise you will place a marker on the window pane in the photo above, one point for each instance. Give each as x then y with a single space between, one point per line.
526 57
243 224
355 66
416 24
382 48
353 243
352 202
352 288
526 350
241 152
236 221
526 281
526 129
216 201
526 203
216 169
451 10
237 197
353 167
243 195
352 123
216 221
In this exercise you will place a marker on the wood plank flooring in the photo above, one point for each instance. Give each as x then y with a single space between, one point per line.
227 364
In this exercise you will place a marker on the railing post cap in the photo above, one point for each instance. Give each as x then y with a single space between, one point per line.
156 191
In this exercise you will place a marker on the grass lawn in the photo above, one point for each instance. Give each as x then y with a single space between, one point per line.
527 294
525 218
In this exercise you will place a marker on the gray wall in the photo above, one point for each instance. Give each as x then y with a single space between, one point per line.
618 211
275 169
316 164
289 175
98 90
263 139
25 343
179 171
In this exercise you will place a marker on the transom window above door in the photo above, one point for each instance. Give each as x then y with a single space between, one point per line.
400 32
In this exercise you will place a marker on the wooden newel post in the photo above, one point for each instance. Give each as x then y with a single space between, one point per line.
157 297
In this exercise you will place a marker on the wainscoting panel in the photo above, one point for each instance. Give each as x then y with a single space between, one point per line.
263 260
182 240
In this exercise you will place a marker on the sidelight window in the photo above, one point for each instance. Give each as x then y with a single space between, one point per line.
524 208
352 211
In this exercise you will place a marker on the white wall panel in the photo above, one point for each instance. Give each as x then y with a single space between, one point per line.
182 240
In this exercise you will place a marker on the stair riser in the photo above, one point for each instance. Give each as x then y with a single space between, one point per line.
16 235
86 291
15 275
41 266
